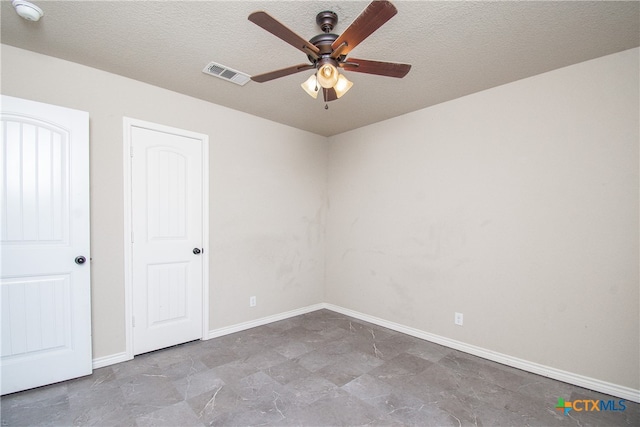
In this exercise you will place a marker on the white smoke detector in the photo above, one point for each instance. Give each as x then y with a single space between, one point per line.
28 11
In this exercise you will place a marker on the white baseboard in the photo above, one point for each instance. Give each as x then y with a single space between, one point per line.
536 368
101 362
263 321
112 359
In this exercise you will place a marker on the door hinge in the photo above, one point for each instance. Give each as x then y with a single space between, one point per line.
132 239
131 150
133 321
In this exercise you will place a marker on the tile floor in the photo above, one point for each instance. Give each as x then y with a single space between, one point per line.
318 369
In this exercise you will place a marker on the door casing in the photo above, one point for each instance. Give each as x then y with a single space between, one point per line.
128 124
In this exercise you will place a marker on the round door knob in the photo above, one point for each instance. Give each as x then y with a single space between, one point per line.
196 251
80 260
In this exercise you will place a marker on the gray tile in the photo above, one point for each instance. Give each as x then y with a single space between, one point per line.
172 355
340 346
403 364
234 371
287 371
98 403
198 383
468 411
35 395
261 400
45 411
427 350
316 360
300 334
283 325
144 393
367 388
333 333
321 320
293 349
139 364
320 368
259 388
308 389
107 414
211 405
341 409
368 331
270 414
182 369
249 342
264 359
218 356
431 385
178 414
349 366
98 378
385 349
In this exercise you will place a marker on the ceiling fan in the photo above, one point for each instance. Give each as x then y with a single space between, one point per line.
327 52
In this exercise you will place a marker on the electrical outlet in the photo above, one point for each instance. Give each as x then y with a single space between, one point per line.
252 301
458 319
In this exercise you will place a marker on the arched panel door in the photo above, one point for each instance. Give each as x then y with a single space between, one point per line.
167 248
45 283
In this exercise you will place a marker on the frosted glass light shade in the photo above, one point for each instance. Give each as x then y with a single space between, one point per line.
327 76
311 86
342 86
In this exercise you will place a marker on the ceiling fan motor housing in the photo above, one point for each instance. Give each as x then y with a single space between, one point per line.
327 20
323 42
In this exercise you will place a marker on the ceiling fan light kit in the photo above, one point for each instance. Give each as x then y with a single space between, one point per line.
311 86
327 73
328 52
342 85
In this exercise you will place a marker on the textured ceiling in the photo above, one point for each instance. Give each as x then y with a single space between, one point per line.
456 48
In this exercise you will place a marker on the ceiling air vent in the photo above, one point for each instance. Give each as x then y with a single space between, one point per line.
226 73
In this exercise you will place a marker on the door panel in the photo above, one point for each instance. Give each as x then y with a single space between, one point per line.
167 226
46 314
35 164
35 315
167 198
167 293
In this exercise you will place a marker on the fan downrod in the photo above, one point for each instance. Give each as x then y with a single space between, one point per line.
327 20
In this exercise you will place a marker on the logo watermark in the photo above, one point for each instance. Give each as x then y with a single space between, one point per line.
588 405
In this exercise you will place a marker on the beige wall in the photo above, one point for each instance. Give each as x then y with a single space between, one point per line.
517 206
267 192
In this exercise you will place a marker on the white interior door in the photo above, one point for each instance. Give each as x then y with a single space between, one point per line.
167 248
46 299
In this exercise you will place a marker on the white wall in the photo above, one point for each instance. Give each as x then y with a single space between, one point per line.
517 206
267 192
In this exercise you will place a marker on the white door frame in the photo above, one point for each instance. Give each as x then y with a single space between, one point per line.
128 124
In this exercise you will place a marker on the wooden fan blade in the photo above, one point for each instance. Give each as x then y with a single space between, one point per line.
269 23
388 69
272 75
329 94
372 18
